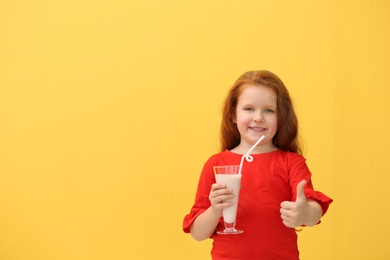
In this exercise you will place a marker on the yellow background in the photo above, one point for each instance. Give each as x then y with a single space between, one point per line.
108 110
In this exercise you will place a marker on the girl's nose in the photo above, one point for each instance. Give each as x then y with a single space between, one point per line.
258 117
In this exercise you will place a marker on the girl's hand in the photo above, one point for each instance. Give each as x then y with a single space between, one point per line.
218 197
205 224
302 211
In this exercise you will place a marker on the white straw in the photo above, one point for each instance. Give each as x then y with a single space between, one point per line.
247 156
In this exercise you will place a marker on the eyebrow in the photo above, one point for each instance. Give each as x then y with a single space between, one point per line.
267 105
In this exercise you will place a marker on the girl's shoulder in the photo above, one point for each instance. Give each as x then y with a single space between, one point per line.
289 154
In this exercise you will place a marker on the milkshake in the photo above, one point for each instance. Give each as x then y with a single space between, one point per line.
232 181
230 176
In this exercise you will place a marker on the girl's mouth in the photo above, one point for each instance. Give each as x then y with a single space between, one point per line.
258 129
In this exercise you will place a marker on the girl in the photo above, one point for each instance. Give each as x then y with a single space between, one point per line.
277 194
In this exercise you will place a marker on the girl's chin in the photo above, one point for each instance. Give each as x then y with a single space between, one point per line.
256 137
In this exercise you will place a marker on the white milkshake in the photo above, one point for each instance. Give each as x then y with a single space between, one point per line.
230 175
232 181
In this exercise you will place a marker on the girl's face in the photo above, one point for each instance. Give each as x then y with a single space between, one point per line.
256 116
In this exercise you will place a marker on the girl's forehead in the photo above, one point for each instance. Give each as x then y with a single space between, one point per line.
253 92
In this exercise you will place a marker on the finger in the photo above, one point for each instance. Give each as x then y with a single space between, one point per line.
221 195
284 212
217 189
225 198
222 204
289 221
301 191
288 224
217 186
222 192
287 214
287 205
287 218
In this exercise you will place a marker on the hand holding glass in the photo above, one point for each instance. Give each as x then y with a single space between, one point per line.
230 176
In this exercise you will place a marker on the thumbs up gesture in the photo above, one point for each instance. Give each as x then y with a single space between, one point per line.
302 211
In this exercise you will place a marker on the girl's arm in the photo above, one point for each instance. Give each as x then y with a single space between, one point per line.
205 224
301 212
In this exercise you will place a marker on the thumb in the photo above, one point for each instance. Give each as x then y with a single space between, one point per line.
301 191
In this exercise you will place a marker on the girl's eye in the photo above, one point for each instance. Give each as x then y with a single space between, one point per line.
248 109
269 110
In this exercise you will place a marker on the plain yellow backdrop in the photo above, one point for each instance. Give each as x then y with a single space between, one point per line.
108 110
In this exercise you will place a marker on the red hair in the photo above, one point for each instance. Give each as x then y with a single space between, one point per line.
286 137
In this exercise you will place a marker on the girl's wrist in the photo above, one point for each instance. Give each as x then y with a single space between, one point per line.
215 213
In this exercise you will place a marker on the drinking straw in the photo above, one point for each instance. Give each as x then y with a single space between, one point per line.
247 156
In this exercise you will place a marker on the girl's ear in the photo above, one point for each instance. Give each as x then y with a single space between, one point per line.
234 117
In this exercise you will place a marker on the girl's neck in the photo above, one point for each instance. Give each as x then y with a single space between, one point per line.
266 148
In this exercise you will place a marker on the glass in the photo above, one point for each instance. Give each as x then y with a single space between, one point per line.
229 175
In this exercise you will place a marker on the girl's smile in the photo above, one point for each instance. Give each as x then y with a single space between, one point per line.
258 129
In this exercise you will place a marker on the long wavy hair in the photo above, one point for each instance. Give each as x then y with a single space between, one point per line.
286 137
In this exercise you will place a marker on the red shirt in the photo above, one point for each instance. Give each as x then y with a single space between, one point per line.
268 180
